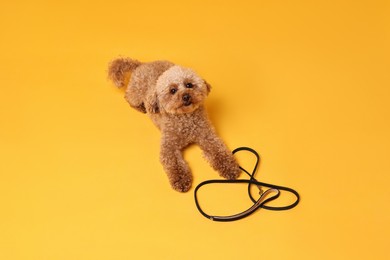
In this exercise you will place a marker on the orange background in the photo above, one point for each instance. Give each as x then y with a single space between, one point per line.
305 83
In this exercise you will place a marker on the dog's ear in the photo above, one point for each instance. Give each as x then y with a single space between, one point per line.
208 86
152 106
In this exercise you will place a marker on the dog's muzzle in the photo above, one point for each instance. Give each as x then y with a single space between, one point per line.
187 100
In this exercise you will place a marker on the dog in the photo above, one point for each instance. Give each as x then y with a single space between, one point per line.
173 97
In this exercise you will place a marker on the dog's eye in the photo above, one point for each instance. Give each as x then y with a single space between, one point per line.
189 85
173 91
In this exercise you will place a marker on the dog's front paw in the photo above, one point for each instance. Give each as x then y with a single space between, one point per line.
231 173
181 182
229 169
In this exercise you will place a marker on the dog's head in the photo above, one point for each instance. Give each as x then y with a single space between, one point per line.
179 90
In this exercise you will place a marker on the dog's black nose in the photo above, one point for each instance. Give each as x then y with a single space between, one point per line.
186 98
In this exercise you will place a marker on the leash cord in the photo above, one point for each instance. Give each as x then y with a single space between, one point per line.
257 204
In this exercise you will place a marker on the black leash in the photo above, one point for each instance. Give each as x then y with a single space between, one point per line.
265 197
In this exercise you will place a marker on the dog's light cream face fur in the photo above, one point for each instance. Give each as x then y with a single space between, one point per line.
180 90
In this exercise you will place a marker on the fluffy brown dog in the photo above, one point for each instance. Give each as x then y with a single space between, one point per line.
173 98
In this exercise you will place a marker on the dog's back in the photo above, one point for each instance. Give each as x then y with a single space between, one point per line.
143 82
140 79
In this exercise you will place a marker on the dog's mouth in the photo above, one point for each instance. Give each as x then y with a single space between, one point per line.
187 107
188 104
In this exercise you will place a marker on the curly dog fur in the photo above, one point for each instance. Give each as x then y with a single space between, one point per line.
173 97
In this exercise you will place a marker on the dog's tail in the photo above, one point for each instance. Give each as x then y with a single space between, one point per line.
119 70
